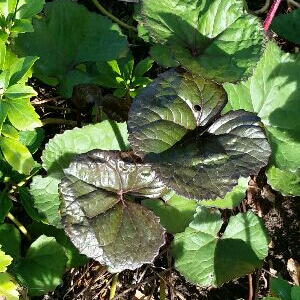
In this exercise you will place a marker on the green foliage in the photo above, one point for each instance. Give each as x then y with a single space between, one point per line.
216 39
99 219
206 259
283 290
273 92
92 36
58 154
42 267
287 26
8 288
175 213
123 76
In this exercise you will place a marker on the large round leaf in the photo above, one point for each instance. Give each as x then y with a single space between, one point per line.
206 165
98 216
169 107
273 93
206 259
213 37
69 35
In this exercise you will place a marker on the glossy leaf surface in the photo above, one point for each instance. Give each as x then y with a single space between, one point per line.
99 219
169 107
206 259
208 165
217 39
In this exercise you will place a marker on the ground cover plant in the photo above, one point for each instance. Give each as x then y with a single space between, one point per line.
169 139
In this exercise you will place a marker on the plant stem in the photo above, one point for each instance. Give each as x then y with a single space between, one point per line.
20 226
113 286
58 121
271 14
111 16
162 289
118 135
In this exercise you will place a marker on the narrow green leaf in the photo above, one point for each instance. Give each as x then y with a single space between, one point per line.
30 9
10 131
20 69
22 115
142 67
43 266
17 155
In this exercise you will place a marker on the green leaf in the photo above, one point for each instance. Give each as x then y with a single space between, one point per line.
287 183
280 288
175 214
43 266
216 38
20 69
7 7
5 260
169 107
142 67
32 139
88 43
28 204
8 288
22 115
207 166
17 155
295 292
206 259
3 113
107 135
10 131
287 26
163 56
21 26
231 199
29 8
11 246
114 231
18 91
273 92
44 192
5 206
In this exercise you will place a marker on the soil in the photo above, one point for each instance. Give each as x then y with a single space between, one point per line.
281 216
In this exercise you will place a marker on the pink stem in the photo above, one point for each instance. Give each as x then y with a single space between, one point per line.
271 14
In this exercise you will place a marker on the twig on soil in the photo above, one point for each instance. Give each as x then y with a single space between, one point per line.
36 101
113 287
250 293
294 3
20 226
135 286
263 9
57 121
111 16
67 109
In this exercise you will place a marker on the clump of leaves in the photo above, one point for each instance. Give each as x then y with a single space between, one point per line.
61 57
217 39
123 76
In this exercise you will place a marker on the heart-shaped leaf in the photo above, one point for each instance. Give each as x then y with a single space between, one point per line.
217 39
100 219
206 259
207 165
67 36
169 107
